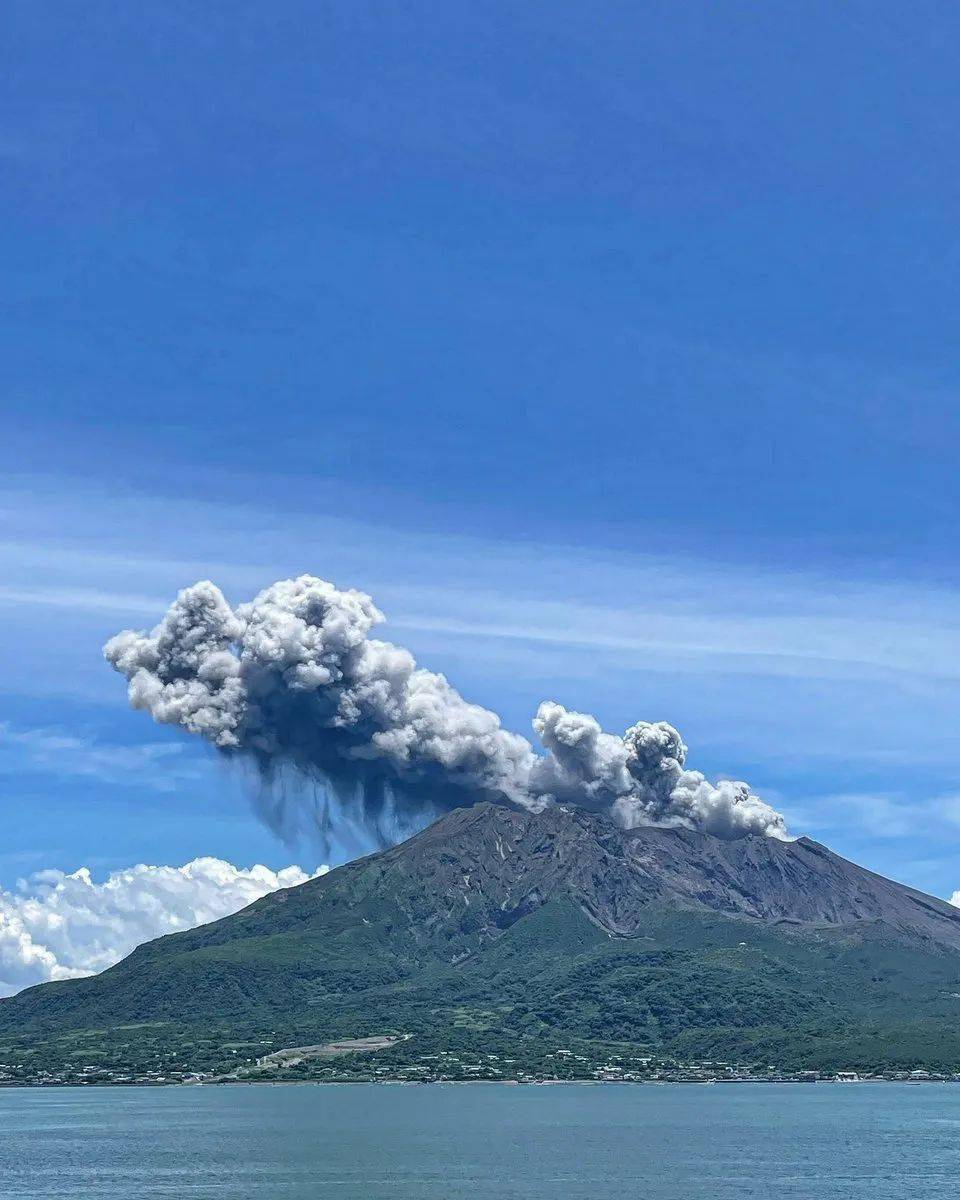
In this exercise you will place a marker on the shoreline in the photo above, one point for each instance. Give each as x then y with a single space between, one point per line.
46 1087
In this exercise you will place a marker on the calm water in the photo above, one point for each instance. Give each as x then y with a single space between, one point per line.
673 1142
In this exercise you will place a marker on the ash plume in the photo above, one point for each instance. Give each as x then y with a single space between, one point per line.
293 683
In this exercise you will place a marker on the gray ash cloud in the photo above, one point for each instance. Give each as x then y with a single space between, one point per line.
293 683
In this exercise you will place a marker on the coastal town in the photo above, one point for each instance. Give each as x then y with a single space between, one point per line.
329 1064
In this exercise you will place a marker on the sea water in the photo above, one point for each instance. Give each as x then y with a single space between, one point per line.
366 1141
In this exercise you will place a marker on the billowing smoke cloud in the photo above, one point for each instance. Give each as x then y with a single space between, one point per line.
293 682
60 926
640 777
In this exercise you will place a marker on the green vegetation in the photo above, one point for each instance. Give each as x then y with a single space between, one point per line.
693 988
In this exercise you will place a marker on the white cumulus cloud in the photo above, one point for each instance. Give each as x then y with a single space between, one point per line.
55 925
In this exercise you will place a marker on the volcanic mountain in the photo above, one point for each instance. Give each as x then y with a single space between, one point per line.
498 926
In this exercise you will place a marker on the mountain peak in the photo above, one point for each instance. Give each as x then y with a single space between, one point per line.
517 859
472 904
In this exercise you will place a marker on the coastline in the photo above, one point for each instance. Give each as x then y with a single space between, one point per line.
221 1083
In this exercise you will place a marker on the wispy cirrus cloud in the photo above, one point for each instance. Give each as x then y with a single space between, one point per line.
686 615
882 815
92 600
158 765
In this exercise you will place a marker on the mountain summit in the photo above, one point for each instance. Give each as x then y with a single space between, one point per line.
489 866
518 927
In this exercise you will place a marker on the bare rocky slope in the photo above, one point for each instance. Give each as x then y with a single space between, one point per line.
506 863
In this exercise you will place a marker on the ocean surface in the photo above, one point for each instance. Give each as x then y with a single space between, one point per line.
363 1142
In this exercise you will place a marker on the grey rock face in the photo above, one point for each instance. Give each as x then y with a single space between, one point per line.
485 867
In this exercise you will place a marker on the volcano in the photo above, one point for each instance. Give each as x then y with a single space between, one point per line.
499 927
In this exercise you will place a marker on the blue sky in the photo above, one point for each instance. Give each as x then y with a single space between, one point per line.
611 351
